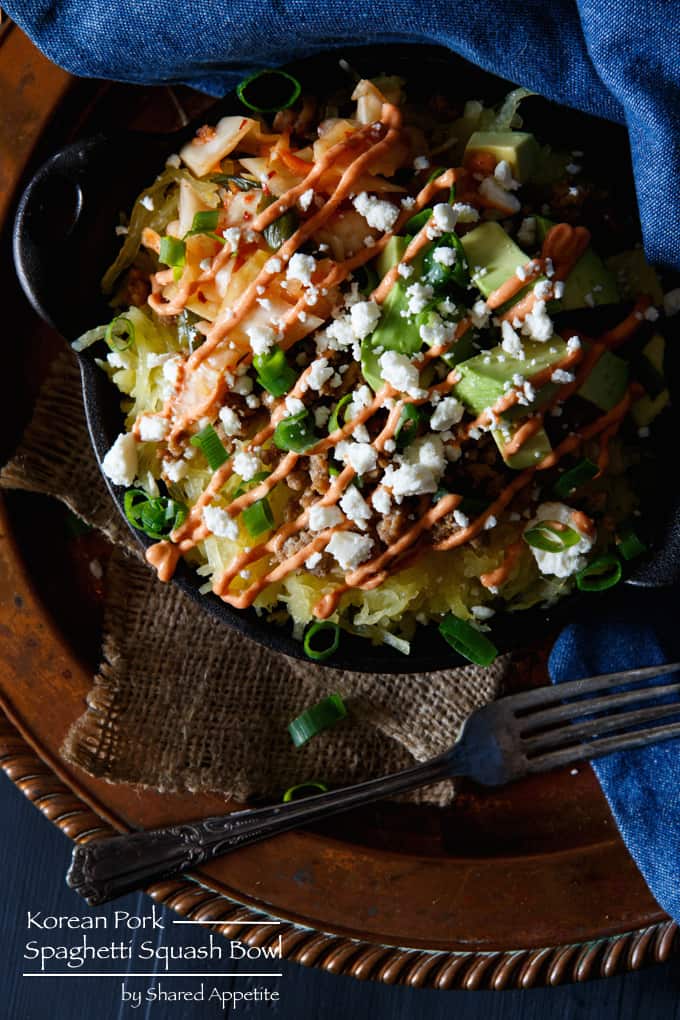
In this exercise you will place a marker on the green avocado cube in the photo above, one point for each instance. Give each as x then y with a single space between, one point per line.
589 283
519 149
606 384
490 249
529 453
485 378
647 408
635 276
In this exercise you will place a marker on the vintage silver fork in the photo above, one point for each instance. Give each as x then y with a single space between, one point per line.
533 731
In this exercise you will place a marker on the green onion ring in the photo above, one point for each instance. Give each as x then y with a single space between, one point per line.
540 536
319 717
321 626
295 93
601 574
467 640
313 784
120 333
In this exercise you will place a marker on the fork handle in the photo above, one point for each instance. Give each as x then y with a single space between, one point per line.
105 869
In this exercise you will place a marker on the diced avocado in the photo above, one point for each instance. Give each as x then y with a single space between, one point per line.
395 332
635 275
463 349
390 255
529 454
646 409
606 384
490 248
589 283
518 148
484 378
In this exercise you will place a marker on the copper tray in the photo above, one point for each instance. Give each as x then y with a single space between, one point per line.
517 887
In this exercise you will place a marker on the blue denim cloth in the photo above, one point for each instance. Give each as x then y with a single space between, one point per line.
619 59
642 786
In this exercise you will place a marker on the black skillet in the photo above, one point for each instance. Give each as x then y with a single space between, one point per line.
64 239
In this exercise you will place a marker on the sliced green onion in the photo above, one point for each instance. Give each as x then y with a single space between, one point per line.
294 84
601 574
273 371
575 477
295 433
173 252
441 276
334 420
313 787
407 426
317 718
320 649
211 446
158 517
258 517
255 480
283 227
418 221
551 536
205 223
120 333
467 640
629 545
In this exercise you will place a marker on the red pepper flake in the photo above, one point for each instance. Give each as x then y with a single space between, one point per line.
243 123
201 297
247 216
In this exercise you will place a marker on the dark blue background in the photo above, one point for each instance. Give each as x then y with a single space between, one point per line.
35 856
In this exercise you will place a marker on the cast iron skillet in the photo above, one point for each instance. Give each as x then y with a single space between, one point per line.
64 239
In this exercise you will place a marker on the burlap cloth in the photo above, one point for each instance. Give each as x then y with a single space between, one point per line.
181 702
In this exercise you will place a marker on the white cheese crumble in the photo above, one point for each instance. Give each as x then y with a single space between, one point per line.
246 465
319 373
503 175
421 163
364 316
219 522
378 213
349 548
231 423
381 501
527 232
448 412
538 324
355 507
465 213
322 517
152 429
573 344
321 416
405 270
175 470
261 338
293 406
147 202
301 267
120 463
273 265
232 235
498 196
479 314
461 519
305 199
398 370
361 456
560 376
243 386
313 560
569 560
511 342
444 217
445 256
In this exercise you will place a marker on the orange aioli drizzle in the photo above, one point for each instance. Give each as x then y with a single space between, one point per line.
495 578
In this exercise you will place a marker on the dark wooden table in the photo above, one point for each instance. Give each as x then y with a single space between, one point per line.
35 856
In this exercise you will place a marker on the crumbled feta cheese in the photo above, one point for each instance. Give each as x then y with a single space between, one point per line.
435 332
461 519
293 406
355 507
479 314
231 423
364 316
405 270
120 463
261 338
232 235
273 265
444 217
421 163
560 376
542 289
573 344
520 273
381 501
569 560
319 373
465 213
444 255
511 342
448 412
378 213
671 302
246 465
400 372
490 522
361 456
349 548
243 385
313 560
321 416
418 297
147 202
538 324
174 161
301 267
305 199
422 465
408 202
121 231
152 428
361 398
498 196
651 314
322 517
220 523
558 290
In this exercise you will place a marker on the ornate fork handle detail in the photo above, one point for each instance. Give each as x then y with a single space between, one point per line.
103 870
